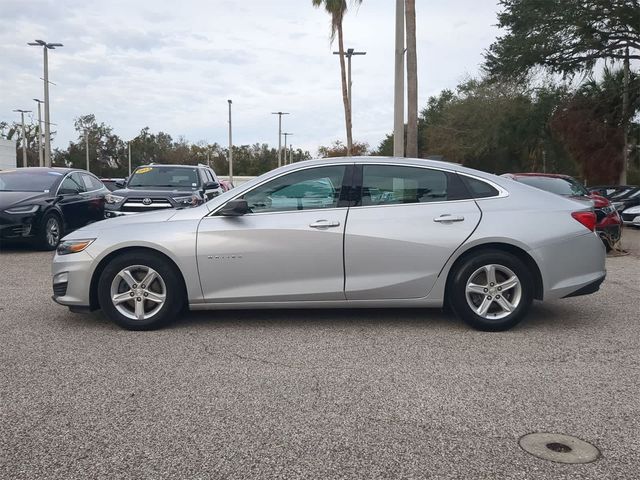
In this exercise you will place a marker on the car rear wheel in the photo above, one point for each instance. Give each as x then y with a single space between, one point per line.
50 232
492 290
140 291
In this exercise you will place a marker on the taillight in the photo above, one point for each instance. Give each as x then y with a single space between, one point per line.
588 219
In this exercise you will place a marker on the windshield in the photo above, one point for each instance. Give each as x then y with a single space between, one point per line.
557 185
176 177
28 181
622 194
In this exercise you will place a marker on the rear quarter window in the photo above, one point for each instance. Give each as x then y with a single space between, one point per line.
478 188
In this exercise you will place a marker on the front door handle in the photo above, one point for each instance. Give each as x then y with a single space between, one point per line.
446 218
324 224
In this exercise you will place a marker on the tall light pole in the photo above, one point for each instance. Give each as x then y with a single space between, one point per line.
40 157
230 146
86 145
398 97
348 54
129 148
47 133
24 136
279 135
286 134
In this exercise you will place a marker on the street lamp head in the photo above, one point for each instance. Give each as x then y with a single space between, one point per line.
42 43
230 102
54 45
22 111
39 101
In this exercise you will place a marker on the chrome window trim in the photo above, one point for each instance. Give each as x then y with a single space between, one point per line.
502 193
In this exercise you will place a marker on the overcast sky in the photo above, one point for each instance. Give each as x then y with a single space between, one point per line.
173 65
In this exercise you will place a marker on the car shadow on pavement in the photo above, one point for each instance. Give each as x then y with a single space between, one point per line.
434 318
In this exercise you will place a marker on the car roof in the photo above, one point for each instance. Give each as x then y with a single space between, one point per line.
43 169
161 165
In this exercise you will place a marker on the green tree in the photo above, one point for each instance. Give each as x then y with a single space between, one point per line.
339 149
564 36
337 9
590 125
569 37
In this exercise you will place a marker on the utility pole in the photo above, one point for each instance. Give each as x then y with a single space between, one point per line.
230 146
286 134
86 146
40 153
24 136
279 135
47 133
398 102
625 119
129 147
348 54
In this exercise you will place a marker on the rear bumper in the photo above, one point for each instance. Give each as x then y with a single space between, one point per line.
571 265
588 289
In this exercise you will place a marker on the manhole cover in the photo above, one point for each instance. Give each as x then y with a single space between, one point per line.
559 448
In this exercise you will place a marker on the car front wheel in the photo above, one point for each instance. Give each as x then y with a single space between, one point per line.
50 232
491 291
140 291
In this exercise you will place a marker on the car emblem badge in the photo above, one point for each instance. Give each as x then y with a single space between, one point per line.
147 201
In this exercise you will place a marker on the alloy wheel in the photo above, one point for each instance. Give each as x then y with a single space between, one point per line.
493 291
52 230
138 292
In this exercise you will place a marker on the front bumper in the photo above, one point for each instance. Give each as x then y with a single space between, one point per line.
16 227
72 279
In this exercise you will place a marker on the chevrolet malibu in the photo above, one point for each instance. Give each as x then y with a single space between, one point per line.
348 232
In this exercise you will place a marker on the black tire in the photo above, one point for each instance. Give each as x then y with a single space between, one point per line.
170 281
49 233
466 270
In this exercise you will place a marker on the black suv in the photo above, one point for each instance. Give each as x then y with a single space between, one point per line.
154 187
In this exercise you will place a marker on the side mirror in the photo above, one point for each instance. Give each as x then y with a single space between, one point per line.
211 185
235 208
120 183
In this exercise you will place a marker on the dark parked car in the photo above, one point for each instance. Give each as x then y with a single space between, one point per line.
42 204
625 199
155 187
608 191
609 223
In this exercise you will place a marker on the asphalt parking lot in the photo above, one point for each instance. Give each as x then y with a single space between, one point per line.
316 394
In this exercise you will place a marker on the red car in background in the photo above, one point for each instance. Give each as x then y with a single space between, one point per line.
609 223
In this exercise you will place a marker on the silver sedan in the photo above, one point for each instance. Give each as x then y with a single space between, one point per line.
347 232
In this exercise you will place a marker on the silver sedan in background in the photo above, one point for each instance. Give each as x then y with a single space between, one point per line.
345 232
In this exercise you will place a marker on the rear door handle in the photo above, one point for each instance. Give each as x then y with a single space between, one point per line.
448 218
324 224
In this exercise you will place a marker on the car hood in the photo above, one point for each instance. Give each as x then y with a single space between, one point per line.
9 199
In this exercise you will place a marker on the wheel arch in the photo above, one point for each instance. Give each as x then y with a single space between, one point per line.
514 250
94 303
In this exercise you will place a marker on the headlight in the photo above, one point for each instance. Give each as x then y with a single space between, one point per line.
111 198
633 210
73 246
23 209
190 201
618 205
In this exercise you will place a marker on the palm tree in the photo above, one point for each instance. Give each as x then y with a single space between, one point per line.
412 80
337 10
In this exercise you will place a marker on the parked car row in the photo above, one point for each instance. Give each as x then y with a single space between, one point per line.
625 199
40 205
